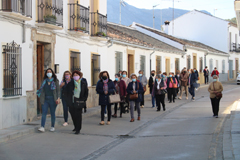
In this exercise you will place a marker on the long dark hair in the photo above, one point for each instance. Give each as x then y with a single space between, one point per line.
53 74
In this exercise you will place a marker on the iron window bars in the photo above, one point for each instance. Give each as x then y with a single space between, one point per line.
235 47
23 7
79 17
50 11
98 24
12 70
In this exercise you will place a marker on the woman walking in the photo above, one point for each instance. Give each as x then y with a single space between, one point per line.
143 79
177 76
66 94
80 95
135 91
192 83
184 83
172 84
49 94
159 91
215 88
121 89
105 87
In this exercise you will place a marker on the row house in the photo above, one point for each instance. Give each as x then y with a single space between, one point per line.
40 34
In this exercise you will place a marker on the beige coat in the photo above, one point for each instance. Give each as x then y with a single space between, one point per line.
184 79
218 88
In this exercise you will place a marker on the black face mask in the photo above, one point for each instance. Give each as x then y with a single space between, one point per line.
185 71
152 74
104 77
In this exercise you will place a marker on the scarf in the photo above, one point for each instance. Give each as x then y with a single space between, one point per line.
76 84
53 85
105 85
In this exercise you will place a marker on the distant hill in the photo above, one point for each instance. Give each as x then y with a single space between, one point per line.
143 16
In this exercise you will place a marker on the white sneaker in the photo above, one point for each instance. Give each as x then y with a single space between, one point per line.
142 106
41 129
65 124
105 115
186 98
52 129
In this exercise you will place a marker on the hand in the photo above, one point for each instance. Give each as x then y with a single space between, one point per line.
58 101
106 92
62 84
161 88
134 92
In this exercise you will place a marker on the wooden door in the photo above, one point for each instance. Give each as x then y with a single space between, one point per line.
40 72
130 65
168 66
195 62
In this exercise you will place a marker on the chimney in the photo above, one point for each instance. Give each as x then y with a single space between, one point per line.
166 26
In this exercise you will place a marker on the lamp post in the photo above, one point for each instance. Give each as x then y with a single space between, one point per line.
122 3
153 15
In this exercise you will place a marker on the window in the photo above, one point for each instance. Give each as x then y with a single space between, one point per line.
188 62
200 64
142 63
95 68
158 64
12 70
211 65
176 64
217 64
231 69
118 62
223 66
230 41
75 61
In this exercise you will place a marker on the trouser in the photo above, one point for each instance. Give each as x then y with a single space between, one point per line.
49 102
108 110
65 110
85 107
206 79
142 102
186 90
132 103
116 108
192 90
160 100
76 114
153 100
215 105
172 94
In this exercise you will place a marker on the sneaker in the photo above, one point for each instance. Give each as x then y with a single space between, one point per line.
216 116
65 124
186 98
41 129
180 98
153 106
193 99
105 115
196 89
142 106
52 129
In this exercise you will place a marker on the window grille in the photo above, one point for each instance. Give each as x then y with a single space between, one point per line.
95 68
118 61
143 64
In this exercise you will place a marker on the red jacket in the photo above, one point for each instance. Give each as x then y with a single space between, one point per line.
215 73
122 88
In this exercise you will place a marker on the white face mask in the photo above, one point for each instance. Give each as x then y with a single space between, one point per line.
214 80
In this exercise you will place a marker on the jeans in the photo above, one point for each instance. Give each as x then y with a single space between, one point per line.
153 101
215 105
192 91
65 110
206 79
142 102
132 108
159 101
103 107
49 102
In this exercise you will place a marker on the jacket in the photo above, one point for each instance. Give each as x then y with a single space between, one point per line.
196 72
218 87
122 89
184 79
143 81
169 80
178 79
162 85
56 92
104 99
193 78
150 83
206 72
215 73
67 92
139 90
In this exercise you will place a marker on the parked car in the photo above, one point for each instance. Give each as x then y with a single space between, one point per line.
238 79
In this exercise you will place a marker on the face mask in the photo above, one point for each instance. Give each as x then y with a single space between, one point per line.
214 80
134 80
104 77
124 75
163 76
116 79
67 77
178 75
170 75
76 78
140 75
49 75
152 74
120 74
194 70
185 71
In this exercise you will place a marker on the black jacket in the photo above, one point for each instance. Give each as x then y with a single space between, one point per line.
193 78
150 83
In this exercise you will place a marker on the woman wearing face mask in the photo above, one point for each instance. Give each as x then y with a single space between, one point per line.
177 76
66 94
135 87
49 94
158 92
184 83
105 88
79 98
125 78
164 76
192 83
121 90
171 81
214 88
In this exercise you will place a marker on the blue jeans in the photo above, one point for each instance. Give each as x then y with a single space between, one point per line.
153 101
192 91
65 110
49 102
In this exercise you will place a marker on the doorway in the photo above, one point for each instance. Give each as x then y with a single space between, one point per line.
40 72
130 64
237 67
167 66
194 62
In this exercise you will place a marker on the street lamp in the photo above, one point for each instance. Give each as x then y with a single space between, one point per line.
122 3
153 15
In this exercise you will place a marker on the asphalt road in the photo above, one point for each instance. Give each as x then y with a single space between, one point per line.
185 131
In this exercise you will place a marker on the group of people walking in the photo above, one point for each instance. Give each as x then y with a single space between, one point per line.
73 91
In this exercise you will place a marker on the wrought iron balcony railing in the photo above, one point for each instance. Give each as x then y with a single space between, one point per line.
79 17
98 24
23 7
50 11
235 47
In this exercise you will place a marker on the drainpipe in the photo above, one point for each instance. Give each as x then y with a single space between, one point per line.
151 60
111 44
205 59
23 32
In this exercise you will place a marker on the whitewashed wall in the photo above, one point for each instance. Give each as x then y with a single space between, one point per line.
103 7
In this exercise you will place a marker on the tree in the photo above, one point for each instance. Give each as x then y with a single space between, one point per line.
233 20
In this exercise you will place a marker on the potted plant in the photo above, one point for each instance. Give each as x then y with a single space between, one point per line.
51 19
83 28
100 34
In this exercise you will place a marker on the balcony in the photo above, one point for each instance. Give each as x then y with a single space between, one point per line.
237 10
78 18
50 14
235 47
17 9
98 25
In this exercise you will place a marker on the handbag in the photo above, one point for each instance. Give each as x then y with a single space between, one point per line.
144 89
135 95
218 94
115 98
164 91
79 104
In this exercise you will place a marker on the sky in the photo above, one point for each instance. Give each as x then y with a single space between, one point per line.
223 8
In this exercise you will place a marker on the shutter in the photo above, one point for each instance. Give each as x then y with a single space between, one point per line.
118 61
223 66
142 65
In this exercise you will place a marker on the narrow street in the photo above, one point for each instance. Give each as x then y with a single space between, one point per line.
185 131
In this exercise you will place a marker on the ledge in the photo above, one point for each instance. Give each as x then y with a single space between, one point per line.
49 26
15 16
72 32
10 98
99 38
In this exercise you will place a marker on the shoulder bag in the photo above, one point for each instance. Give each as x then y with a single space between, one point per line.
174 84
115 98
135 95
218 94
79 104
